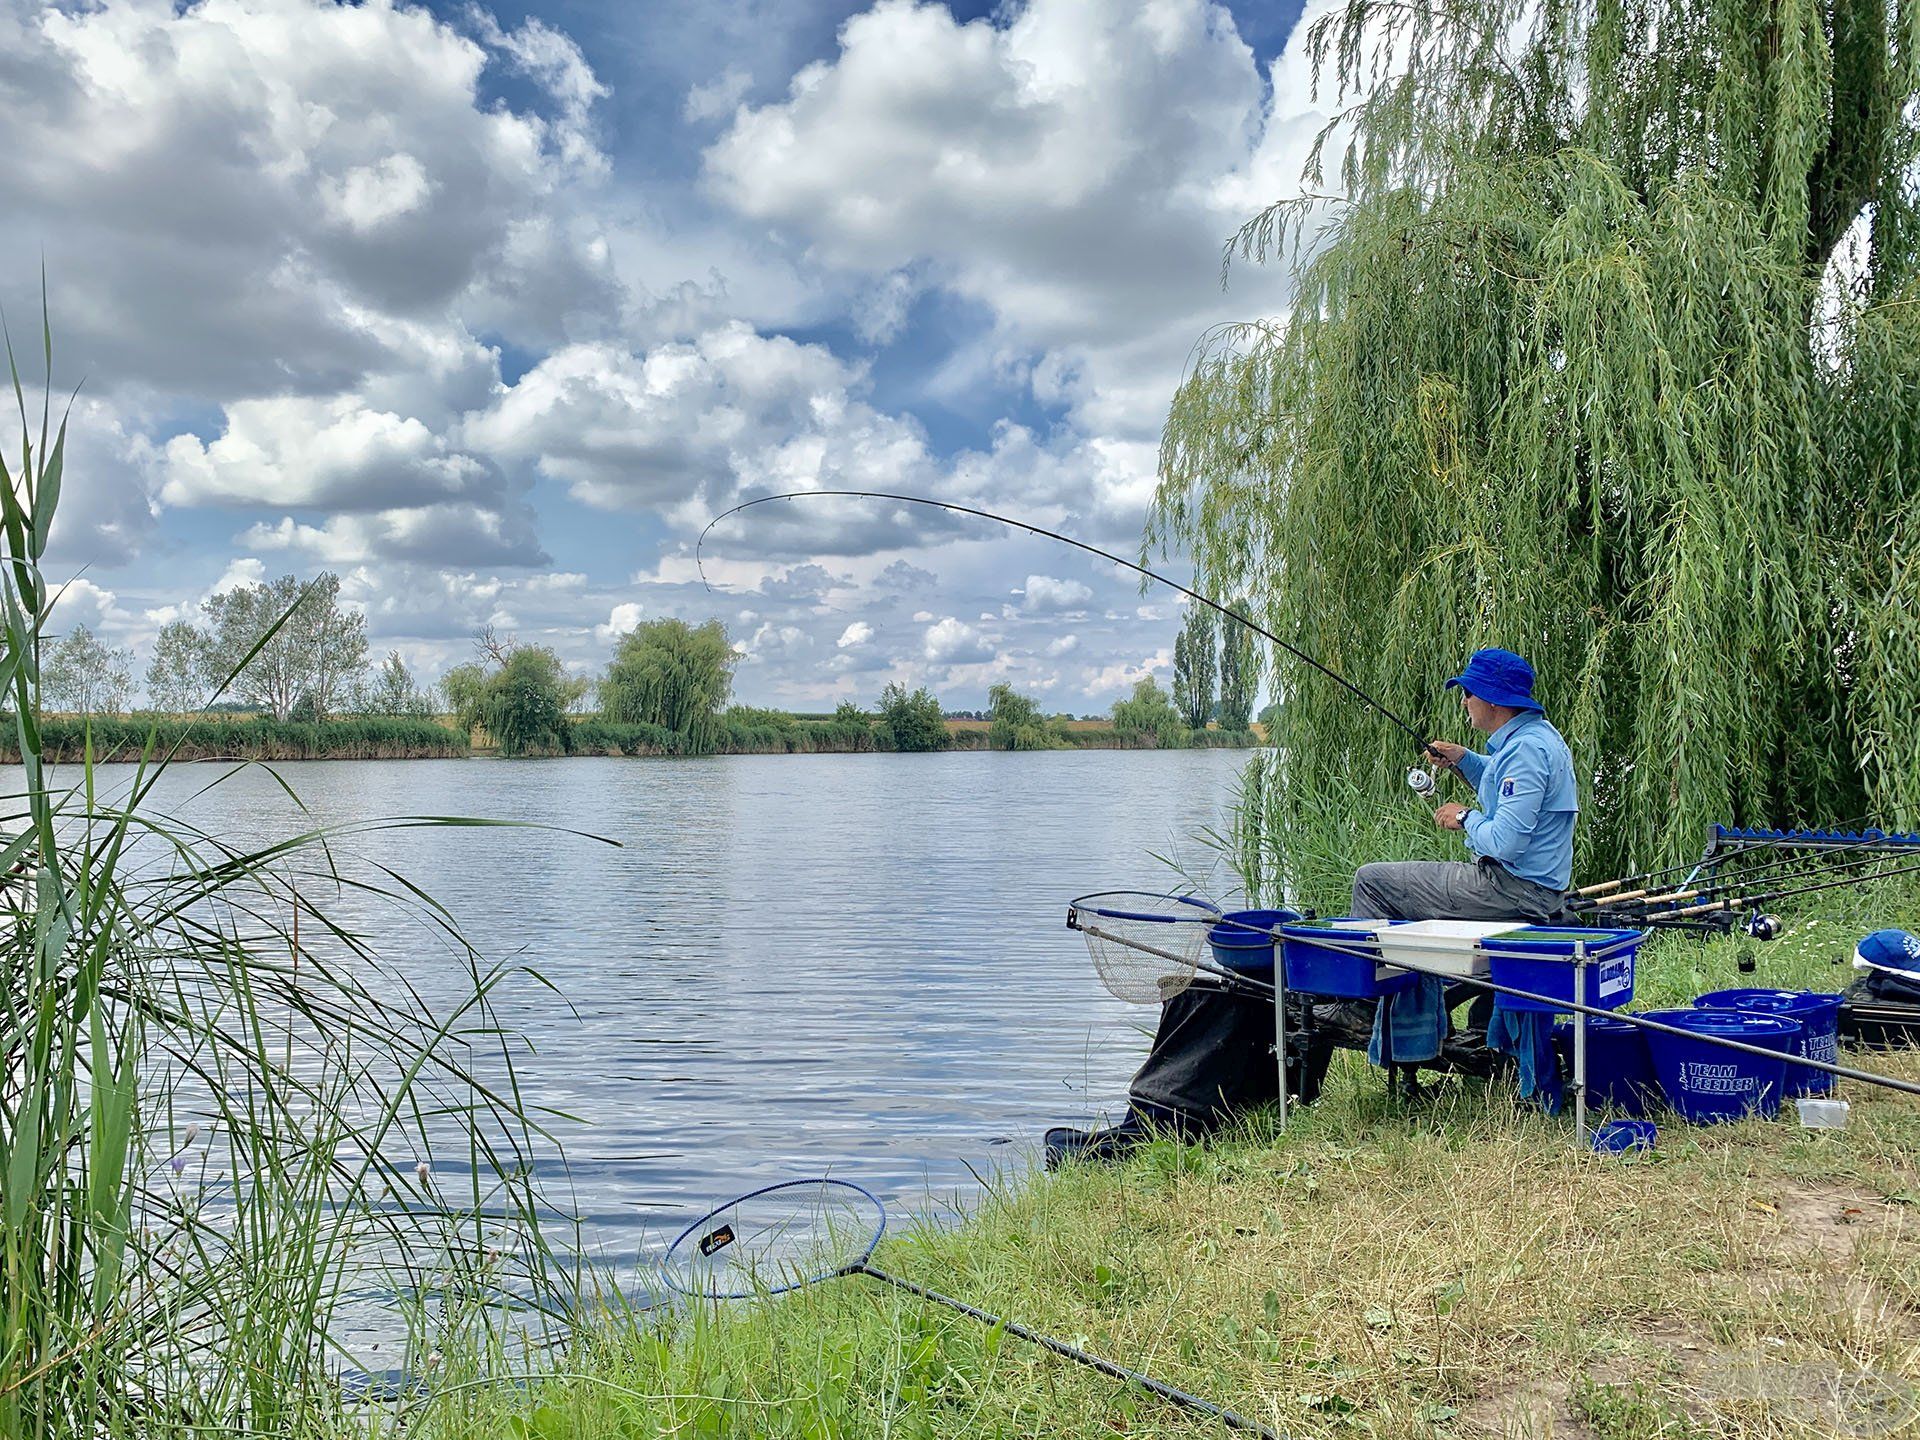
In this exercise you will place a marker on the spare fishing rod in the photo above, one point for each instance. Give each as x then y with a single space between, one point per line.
1743 902
1787 867
1420 741
1715 854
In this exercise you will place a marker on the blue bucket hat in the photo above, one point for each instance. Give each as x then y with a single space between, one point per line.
1498 677
1897 951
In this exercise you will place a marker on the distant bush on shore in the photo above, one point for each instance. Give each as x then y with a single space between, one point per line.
250 737
743 730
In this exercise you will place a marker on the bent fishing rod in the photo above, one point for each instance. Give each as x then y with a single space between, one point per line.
1420 741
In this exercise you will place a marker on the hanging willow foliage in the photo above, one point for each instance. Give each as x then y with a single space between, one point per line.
1571 369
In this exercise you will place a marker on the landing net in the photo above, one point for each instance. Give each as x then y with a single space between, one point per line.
776 1239
1144 945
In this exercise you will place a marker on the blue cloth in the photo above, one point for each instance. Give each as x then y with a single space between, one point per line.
1498 677
1527 1035
1528 801
1416 1018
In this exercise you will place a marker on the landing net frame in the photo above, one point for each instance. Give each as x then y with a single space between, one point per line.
1145 945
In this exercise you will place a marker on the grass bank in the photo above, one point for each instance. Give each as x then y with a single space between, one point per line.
1451 1268
244 737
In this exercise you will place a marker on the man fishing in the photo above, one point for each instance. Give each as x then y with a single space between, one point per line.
1521 834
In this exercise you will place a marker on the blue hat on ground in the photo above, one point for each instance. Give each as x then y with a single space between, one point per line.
1498 677
1895 950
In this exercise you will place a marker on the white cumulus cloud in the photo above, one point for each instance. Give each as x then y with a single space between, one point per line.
954 642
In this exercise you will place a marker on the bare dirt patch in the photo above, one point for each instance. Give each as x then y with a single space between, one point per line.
1529 1410
1827 1219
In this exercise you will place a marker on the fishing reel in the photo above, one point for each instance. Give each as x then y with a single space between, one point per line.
1422 782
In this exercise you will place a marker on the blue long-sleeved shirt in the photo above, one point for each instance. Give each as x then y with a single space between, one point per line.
1528 801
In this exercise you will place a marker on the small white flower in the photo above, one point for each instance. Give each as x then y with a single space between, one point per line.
193 1134
422 1172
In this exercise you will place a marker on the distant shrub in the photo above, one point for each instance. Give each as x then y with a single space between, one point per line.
911 721
252 737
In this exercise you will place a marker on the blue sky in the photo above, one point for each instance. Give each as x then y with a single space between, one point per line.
489 308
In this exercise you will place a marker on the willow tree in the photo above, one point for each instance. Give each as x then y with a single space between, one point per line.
1606 347
674 675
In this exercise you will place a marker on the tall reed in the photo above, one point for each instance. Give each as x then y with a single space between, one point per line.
214 1127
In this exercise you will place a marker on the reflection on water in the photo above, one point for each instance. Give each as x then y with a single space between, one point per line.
793 965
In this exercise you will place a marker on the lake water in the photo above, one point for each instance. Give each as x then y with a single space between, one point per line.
793 965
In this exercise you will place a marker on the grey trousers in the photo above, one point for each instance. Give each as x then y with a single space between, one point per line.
1449 890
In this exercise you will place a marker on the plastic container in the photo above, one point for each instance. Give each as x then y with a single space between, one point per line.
1314 968
1818 1012
1247 951
1539 958
1707 1083
1822 1114
1441 947
1617 1136
1619 1069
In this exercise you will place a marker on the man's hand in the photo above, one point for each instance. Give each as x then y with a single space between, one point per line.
1445 753
1451 816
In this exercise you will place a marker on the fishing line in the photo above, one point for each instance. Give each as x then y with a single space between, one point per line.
1352 689
806 1232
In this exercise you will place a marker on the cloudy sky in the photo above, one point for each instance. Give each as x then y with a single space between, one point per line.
489 307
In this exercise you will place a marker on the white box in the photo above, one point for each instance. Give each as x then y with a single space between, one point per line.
1817 1114
1443 947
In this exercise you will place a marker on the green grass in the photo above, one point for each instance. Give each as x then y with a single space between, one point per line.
1449 1268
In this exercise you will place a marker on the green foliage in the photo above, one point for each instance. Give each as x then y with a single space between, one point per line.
269 645
1017 724
523 705
243 737
391 691
673 675
1560 374
464 687
1193 667
79 675
213 1126
174 684
743 731
1148 717
1239 671
911 721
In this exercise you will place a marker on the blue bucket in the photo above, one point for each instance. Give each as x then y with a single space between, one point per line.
1818 1012
1523 960
1247 951
1314 968
1619 1069
1707 1083
1619 1136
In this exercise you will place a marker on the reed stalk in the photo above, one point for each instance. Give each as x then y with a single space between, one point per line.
213 1133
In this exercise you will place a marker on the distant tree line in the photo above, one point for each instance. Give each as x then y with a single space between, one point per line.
1207 646
285 647
288 650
